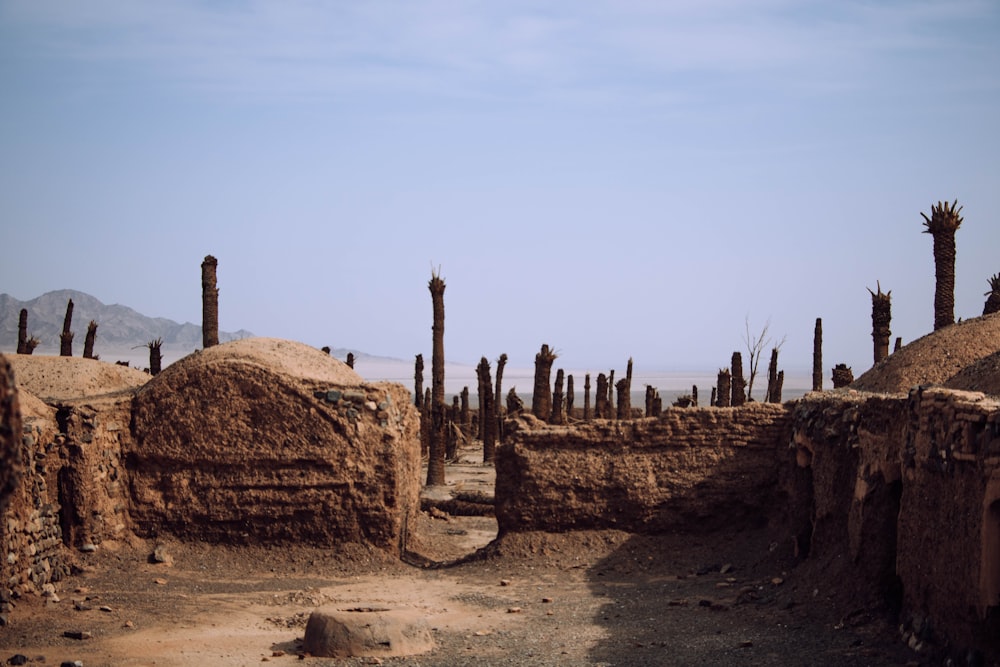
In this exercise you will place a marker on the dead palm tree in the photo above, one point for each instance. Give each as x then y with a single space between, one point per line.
818 355
22 331
723 388
558 412
487 411
209 302
88 342
155 358
739 384
586 397
942 225
418 381
881 317
541 397
993 296
498 397
66 337
436 446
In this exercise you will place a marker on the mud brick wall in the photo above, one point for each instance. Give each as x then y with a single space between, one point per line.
849 445
92 487
30 533
949 523
692 468
241 455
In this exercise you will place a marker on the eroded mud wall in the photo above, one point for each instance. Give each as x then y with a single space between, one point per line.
694 468
242 455
91 485
32 555
949 526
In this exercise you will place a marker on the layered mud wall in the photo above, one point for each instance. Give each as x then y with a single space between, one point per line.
239 454
692 468
949 523
907 489
92 489
32 553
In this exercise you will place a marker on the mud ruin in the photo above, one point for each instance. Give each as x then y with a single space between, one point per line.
244 443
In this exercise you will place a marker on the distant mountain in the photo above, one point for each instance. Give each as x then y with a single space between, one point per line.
118 327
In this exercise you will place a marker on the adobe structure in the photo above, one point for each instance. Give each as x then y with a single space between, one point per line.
893 483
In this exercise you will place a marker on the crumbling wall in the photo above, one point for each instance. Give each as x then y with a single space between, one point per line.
689 468
949 526
90 480
30 535
238 452
907 490
849 444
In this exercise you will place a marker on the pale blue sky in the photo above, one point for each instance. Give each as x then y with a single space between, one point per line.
614 179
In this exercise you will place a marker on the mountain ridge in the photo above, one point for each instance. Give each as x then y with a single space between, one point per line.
118 327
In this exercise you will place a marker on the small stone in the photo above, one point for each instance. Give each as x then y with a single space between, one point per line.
17 659
78 634
746 644
728 567
106 608
546 600
513 610
80 605
71 663
88 548
159 581
128 624
505 582
160 555
777 581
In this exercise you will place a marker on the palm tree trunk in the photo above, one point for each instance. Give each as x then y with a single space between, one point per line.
498 397
66 337
942 225
22 331
738 383
725 384
818 355
558 415
881 317
586 397
209 303
486 408
541 397
436 447
155 358
88 342
418 381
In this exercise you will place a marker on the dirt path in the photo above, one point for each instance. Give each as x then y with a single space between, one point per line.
576 599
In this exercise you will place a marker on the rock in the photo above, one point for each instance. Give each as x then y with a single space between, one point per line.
364 632
78 634
88 548
160 555
17 659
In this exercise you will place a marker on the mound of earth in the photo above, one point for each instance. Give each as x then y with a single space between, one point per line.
64 378
984 376
266 441
282 356
950 356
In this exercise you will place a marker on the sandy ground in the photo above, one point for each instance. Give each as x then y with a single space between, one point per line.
585 598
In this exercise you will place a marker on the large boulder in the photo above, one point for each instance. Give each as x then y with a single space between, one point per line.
264 440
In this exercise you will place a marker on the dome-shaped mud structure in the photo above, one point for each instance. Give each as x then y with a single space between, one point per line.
956 356
265 440
54 379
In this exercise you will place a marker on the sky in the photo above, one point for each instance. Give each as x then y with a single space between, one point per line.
614 179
